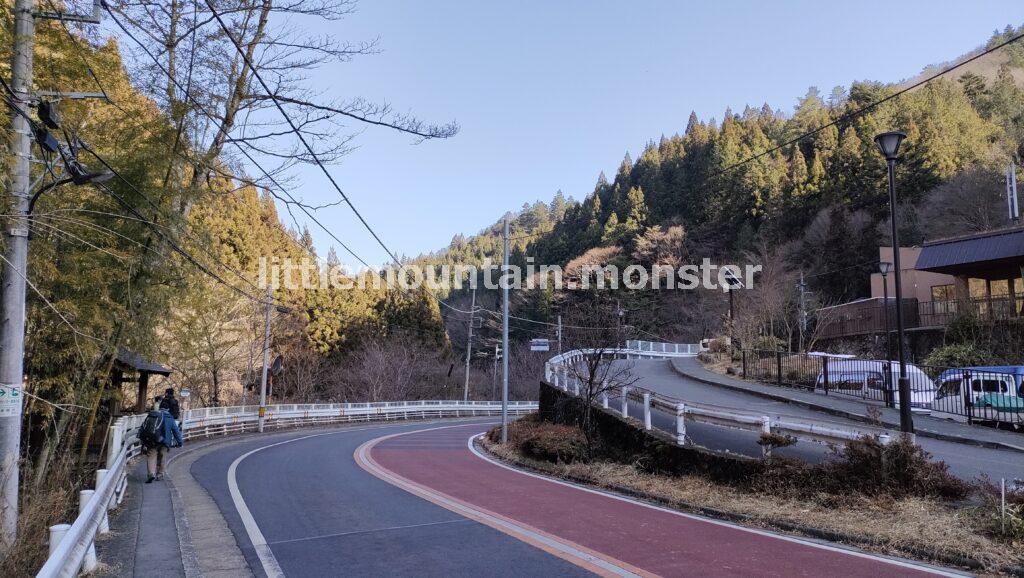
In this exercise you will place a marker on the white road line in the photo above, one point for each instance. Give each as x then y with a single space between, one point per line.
857 553
259 542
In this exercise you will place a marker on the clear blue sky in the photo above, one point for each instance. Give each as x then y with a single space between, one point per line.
550 93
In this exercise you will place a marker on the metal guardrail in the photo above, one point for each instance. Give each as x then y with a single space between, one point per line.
558 374
661 347
72 546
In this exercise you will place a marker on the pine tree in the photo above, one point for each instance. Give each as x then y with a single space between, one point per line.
613 231
798 174
635 213
692 123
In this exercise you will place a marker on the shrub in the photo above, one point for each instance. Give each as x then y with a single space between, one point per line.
866 467
899 468
544 441
959 355
1010 528
774 440
556 443
767 343
718 345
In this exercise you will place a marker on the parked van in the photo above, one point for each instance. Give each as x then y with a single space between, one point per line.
988 394
868 379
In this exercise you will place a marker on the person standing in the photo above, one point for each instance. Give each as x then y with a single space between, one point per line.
170 403
158 433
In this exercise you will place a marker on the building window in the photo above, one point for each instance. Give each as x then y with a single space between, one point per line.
978 288
1000 287
942 293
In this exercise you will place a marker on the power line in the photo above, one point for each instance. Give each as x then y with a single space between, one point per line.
135 211
184 228
177 249
316 158
852 114
248 156
59 16
220 128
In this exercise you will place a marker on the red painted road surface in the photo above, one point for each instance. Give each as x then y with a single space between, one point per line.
648 539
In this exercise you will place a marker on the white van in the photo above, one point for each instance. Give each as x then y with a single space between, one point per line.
867 379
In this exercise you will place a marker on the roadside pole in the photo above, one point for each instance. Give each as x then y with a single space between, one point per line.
266 361
559 334
803 309
494 374
504 338
469 345
12 311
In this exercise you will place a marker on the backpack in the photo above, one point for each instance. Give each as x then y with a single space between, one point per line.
151 432
171 405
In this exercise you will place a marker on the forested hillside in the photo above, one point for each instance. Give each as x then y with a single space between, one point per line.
818 206
163 259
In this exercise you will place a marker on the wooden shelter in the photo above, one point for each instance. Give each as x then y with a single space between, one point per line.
130 363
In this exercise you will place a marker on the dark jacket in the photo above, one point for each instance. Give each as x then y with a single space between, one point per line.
170 404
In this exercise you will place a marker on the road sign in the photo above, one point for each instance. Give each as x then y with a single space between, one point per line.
185 392
540 344
10 400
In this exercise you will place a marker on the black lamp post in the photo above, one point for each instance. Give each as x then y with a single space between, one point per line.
889 144
732 282
884 268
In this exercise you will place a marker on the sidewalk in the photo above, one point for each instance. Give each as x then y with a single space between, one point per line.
925 426
171 527
136 546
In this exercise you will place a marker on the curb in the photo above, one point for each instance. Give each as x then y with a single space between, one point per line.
735 517
847 414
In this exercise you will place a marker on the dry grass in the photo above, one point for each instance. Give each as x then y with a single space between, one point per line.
718 363
52 503
912 527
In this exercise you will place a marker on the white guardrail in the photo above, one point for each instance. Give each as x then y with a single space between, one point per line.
559 372
72 547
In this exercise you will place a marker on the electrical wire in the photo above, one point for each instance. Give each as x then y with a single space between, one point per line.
298 133
177 249
81 55
221 130
855 113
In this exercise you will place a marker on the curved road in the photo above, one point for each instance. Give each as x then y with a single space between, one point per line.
965 461
417 500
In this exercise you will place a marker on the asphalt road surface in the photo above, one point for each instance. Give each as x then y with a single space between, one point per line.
415 499
968 462
322 515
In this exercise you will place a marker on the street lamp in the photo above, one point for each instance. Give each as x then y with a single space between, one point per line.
81 178
885 268
889 145
731 282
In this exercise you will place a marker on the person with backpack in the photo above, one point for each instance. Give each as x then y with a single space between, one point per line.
158 433
170 403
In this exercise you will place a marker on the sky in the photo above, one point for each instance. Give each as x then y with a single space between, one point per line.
549 94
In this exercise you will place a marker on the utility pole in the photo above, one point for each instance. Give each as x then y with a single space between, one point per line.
266 360
803 309
1011 193
559 334
504 337
469 345
618 323
12 311
494 373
